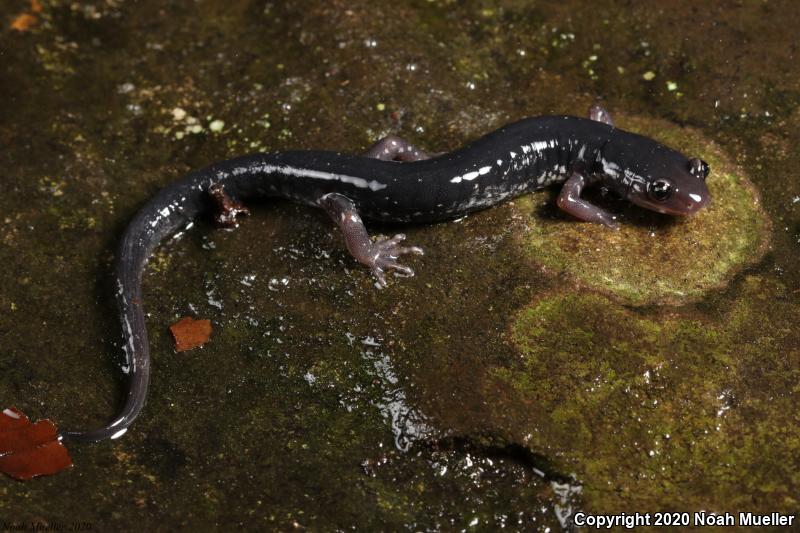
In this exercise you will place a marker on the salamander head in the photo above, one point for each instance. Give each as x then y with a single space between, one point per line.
664 181
652 175
678 188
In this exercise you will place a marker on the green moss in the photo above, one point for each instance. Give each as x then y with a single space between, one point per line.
648 410
652 258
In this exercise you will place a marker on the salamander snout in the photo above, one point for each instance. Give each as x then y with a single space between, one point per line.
682 191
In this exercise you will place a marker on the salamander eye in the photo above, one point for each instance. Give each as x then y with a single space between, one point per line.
660 190
698 168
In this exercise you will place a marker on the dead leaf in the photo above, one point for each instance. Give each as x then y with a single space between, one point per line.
190 333
28 450
24 22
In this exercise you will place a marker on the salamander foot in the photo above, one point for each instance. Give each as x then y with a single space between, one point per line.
600 114
228 209
386 251
379 256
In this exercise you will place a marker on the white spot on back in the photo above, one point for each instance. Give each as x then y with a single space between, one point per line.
539 146
361 183
609 167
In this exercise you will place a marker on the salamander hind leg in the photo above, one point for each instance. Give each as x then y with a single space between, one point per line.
228 210
381 255
570 201
394 148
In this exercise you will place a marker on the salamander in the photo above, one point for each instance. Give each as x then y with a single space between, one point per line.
397 182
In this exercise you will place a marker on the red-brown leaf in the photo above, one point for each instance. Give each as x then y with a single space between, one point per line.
190 333
12 418
28 450
25 21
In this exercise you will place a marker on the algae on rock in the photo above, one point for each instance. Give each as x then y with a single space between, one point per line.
650 409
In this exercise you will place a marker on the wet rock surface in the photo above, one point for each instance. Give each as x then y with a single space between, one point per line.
506 384
665 407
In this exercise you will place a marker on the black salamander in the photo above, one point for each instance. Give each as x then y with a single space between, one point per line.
516 159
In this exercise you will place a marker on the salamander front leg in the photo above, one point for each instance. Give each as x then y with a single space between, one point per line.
394 148
379 256
570 201
600 114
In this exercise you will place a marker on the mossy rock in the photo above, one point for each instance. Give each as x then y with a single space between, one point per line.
647 410
654 258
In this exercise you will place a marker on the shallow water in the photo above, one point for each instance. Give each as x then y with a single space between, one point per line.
489 390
